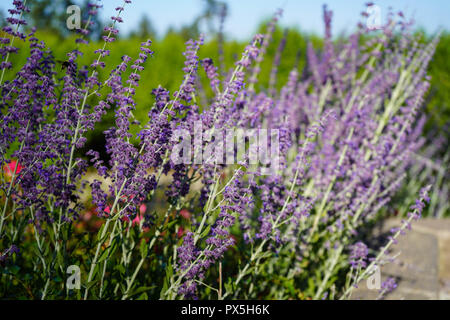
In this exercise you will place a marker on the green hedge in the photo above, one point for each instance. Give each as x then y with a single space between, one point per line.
165 68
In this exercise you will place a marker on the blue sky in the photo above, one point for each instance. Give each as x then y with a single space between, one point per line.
244 15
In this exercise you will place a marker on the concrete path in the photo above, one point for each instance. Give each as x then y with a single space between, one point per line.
422 269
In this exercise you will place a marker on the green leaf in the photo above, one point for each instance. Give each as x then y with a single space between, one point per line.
170 224
91 284
108 251
100 231
143 296
169 272
229 286
164 289
141 290
103 256
120 268
311 284
143 249
205 232
14 269
97 267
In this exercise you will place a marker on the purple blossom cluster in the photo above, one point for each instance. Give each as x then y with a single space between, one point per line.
388 285
358 256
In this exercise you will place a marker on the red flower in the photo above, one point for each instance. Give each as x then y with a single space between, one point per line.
8 169
180 232
142 209
139 217
185 214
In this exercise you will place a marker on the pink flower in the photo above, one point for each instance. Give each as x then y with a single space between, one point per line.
8 169
87 215
180 232
140 216
185 214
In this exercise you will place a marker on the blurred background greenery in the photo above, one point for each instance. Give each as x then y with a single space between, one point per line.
165 68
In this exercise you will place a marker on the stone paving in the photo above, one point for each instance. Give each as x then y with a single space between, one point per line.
422 268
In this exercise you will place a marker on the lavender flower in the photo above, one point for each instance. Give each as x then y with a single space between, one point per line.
358 256
388 285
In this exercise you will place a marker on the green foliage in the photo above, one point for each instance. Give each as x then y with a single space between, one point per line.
438 106
165 68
